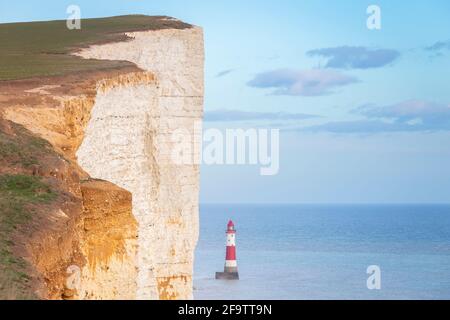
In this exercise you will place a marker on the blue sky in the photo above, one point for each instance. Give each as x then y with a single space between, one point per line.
364 113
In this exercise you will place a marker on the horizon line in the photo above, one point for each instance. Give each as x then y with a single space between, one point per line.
325 203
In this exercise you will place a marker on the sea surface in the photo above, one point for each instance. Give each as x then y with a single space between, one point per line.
323 251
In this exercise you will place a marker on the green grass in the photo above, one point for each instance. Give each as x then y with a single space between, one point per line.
32 49
17 193
23 148
18 196
27 189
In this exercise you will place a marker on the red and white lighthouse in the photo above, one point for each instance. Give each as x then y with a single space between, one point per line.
230 271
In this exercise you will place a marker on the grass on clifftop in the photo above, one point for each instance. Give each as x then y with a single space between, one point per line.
33 49
17 194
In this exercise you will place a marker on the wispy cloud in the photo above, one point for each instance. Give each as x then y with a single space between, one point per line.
224 73
407 116
225 115
348 57
439 49
429 114
314 82
439 46
361 127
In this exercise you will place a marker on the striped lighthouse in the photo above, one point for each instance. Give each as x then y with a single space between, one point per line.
230 271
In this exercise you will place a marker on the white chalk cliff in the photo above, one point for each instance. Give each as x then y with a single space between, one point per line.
129 140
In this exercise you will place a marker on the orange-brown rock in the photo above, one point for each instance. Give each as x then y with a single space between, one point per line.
108 242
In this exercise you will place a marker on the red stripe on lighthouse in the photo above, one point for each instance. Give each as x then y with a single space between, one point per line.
231 253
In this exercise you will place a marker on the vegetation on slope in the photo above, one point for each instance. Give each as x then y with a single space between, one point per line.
18 193
34 49
22 149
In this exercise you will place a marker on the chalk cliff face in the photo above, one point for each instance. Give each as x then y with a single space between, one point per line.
135 225
129 141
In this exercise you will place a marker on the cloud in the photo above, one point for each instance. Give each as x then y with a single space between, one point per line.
347 57
224 73
439 49
362 127
439 46
428 114
225 115
314 82
406 116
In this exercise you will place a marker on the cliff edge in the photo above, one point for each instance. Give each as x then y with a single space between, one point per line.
92 204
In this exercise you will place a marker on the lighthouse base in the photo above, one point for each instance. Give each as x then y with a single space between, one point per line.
227 276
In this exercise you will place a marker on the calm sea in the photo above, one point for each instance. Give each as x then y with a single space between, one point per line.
323 251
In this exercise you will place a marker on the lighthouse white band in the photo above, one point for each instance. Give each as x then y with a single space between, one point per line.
231 240
230 263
